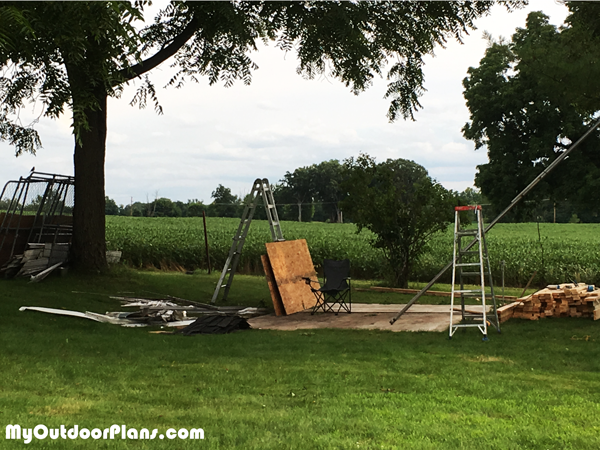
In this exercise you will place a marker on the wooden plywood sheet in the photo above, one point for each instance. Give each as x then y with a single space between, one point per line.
291 261
275 295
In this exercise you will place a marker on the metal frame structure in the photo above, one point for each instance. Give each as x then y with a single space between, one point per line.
260 189
516 200
52 204
464 263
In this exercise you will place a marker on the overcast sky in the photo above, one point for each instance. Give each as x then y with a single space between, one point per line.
212 135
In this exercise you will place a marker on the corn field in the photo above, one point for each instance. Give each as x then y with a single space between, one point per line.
559 253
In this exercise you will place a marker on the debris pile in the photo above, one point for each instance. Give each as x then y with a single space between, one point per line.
41 259
565 300
38 261
173 309
171 312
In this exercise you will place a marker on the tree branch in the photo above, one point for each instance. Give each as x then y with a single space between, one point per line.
163 54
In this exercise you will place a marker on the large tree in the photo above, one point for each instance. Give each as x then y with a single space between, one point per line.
315 189
297 188
327 180
529 99
401 204
74 55
224 204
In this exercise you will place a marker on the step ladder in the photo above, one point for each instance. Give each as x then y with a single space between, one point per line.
260 190
471 265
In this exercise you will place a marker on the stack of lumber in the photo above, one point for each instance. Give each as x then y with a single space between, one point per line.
565 300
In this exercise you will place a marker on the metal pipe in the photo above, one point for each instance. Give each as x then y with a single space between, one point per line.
206 241
518 198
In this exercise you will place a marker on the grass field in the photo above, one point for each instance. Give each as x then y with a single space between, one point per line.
535 386
560 253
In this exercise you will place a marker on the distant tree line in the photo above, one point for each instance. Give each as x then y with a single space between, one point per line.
314 193
310 193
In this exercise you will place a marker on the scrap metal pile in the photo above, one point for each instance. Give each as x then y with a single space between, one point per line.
174 309
564 300
171 312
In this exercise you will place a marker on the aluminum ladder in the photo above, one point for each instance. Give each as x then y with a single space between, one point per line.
260 190
471 262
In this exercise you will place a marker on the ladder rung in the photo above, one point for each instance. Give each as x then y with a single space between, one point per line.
467 233
467 291
468 264
470 274
468 253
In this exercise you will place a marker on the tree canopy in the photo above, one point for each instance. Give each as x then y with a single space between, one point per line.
225 204
399 202
73 55
316 190
529 99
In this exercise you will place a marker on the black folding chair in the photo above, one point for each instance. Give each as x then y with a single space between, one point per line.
336 287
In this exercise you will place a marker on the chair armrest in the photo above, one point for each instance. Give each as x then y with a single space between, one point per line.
309 281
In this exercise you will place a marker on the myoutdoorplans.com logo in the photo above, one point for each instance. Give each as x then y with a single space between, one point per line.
41 432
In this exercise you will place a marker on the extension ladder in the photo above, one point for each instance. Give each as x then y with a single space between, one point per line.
260 189
473 266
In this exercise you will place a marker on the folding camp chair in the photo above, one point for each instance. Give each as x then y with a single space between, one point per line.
336 287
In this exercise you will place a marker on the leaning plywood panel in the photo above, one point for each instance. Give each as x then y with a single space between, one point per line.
291 262
275 295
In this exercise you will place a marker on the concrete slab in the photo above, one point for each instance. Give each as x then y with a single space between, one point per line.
365 317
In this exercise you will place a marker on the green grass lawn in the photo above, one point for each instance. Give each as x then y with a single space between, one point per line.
535 386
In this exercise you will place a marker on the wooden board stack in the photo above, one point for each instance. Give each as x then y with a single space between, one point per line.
565 300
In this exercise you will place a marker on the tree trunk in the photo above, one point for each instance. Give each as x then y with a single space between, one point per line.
401 267
89 233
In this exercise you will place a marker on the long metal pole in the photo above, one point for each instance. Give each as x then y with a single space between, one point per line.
516 200
206 241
